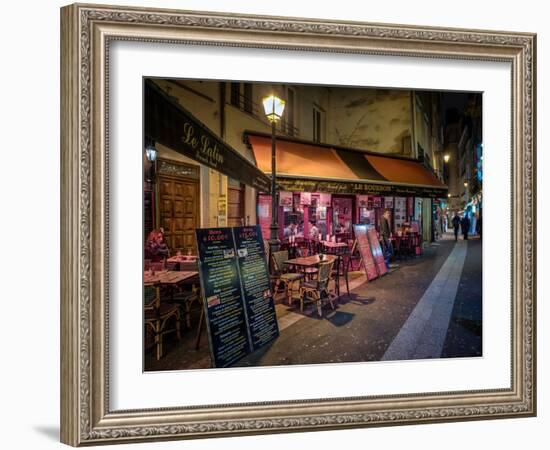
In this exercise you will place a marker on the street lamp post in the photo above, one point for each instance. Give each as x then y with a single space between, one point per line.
274 108
151 155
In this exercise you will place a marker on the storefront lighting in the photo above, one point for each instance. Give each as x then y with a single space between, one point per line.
449 195
465 184
151 153
446 158
273 107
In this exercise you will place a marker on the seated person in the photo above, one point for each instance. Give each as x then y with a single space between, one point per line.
155 246
313 231
290 230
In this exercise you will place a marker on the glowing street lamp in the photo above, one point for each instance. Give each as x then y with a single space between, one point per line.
151 153
273 107
446 158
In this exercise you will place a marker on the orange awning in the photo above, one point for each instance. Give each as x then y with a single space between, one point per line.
298 159
402 171
313 167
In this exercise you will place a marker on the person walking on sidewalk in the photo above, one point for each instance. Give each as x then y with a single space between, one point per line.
385 232
456 225
465 226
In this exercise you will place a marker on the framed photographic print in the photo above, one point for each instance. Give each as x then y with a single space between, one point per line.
200 300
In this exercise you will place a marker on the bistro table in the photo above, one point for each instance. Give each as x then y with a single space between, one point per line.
167 277
182 260
314 261
171 278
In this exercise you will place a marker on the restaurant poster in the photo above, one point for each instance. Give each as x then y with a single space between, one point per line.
305 198
399 213
363 244
254 276
223 301
376 250
362 201
285 199
325 200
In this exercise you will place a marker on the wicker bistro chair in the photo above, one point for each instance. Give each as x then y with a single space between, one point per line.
157 315
188 292
317 291
287 279
188 299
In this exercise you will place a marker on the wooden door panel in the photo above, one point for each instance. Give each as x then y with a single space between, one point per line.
165 187
178 241
178 225
188 190
166 224
189 241
235 206
179 189
166 207
188 223
189 207
233 195
179 211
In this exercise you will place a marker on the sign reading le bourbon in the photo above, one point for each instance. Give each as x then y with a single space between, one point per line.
169 124
238 303
359 188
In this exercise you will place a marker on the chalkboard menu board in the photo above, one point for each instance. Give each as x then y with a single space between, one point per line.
223 301
364 249
240 312
376 250
260 310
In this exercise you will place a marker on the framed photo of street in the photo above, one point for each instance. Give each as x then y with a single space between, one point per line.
378 120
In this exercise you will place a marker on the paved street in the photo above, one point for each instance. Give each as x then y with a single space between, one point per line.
428 307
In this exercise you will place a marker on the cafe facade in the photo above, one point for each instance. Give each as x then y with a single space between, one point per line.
213 163
333 187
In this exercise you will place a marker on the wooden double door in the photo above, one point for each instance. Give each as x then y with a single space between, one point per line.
179 212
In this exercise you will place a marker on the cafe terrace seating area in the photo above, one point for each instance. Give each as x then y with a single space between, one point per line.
306 275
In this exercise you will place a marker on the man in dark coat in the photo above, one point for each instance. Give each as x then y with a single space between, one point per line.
456 225
385 233
465 226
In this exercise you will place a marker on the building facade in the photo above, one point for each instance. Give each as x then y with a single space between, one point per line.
184 195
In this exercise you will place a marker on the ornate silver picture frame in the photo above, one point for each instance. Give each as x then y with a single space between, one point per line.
87 32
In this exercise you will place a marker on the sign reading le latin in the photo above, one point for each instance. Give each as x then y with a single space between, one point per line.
168 123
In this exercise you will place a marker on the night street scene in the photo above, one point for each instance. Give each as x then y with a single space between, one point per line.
294 224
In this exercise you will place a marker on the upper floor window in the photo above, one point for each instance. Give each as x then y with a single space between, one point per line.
317 125
241 96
